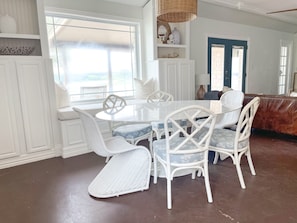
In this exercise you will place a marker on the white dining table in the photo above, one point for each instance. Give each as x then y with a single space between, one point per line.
150 112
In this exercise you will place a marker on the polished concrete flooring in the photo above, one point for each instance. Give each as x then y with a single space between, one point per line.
55 191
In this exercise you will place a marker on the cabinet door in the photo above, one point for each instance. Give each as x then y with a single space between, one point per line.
186 81
11 128
168 78
34 103
177 78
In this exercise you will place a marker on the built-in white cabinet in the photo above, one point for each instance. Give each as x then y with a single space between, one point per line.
176 77
168 63
11 128
74 139
34 103
26 129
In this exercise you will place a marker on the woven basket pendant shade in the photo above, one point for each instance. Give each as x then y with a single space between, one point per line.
176 10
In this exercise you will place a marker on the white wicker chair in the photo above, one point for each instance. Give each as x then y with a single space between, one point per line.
127 171
231 99
235 144
180 150
133 133
156 97
159 96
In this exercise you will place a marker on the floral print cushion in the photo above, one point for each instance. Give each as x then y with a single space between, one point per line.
132 131
160 150
223 138
160 125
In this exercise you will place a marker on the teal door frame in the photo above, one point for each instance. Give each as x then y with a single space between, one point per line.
228 44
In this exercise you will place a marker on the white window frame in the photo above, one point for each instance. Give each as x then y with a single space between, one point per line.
283 88
104 18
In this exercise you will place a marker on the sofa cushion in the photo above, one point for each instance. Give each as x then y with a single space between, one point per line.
276 113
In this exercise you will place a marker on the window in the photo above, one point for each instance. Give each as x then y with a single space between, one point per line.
284 66
93 58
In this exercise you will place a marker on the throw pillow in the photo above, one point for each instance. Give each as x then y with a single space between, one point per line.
143 88
225 89
62 96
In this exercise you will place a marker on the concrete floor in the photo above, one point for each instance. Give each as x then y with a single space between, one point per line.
55 191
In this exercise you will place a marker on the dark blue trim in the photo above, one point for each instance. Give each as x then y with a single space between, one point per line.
228 44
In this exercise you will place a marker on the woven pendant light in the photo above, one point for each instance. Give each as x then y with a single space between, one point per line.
176 10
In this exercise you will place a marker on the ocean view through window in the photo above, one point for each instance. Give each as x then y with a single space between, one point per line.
93 58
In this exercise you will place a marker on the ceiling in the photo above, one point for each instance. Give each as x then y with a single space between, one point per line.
261 7
139 3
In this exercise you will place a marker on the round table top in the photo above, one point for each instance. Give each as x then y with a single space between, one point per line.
148 112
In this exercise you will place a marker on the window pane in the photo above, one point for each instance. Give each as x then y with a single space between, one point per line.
121 72
283 69
92 58
283 51
217 69
237 66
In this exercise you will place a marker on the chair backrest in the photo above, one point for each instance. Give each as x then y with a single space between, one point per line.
93 134
231 99
113 101
245 122
181 141
159 96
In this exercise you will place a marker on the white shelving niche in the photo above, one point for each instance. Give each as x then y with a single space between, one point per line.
26 41
170 50
167 63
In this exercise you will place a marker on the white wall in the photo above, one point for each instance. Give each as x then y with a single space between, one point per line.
263 50
96 6
263 35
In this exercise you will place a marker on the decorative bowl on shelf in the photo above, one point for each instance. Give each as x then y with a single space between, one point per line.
16 50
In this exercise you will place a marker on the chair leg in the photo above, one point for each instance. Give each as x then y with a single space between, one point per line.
250 161
200 173
216 158
107 159
158 134
169 198
239 173
155 161
207 184
150 141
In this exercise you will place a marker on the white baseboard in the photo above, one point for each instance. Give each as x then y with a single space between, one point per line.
76 150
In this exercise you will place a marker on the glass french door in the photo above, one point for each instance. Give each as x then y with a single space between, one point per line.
227 63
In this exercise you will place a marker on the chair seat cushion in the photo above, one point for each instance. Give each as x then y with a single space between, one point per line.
159 147
132 131
224 138
160 125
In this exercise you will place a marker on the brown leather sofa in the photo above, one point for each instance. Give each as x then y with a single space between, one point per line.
275 113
